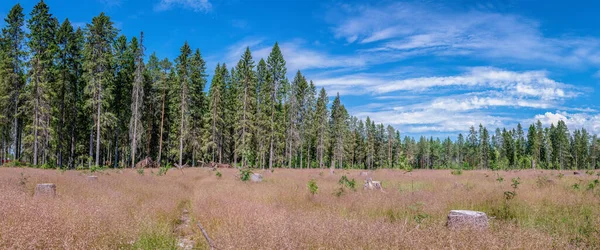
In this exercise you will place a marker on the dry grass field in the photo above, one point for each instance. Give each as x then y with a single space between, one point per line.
127 210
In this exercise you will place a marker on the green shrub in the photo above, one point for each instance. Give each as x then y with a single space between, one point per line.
163 170
140 171
312 187
457 171
219 174
245 174
344 181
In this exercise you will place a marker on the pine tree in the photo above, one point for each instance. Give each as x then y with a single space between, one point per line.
485 148
135 124
321 121
278 85
181 98
197 101
533 145
337 124
246 77
265 108
43 51
98 59
13 37
66 89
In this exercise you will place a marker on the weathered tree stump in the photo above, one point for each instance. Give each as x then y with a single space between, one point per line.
45 190
371 184
461 219
256 178
364 174
92 178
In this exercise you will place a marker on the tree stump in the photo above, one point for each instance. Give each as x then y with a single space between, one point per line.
256 178
45 190
92 178
371 184
461 219
364 174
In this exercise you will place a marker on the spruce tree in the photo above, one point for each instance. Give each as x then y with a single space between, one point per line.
182 103
13 37
321 126
137 98
43 27
197 102
278 84
246 78
98 62
216 114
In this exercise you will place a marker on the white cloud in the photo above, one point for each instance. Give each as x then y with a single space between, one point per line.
529 84
297 56
194 5
401 27
589 121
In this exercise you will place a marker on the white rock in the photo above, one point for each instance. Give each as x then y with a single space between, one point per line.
459 219
256 178
45 190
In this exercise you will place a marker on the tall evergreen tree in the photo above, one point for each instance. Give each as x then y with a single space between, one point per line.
182 100
278 84
13 41
135 124
246 77
43 48
197 101
98 62
321 121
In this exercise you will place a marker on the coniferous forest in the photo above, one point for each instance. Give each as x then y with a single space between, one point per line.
83 97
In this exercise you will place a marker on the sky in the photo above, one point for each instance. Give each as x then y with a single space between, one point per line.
431 68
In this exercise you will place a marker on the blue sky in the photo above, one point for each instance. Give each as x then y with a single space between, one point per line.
425 67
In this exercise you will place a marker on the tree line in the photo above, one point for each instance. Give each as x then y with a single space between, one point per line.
87 97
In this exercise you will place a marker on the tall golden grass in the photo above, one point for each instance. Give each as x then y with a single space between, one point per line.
124 209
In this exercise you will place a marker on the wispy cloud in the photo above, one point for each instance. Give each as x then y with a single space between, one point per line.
450 104
194 5
522 84
296 54
403 27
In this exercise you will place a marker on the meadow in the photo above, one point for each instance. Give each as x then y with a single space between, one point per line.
128 209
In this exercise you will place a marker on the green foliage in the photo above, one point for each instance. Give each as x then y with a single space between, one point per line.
218 174
163 170
159 237
95 168
515 183
140 171
575 186
312 187
590 172
592 185
561 175
245 174
457 171
344 181
499 178
417 212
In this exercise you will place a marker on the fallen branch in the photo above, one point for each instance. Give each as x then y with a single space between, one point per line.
210 242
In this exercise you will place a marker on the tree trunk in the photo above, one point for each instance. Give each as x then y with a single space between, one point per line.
35 125
162 122
98 126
